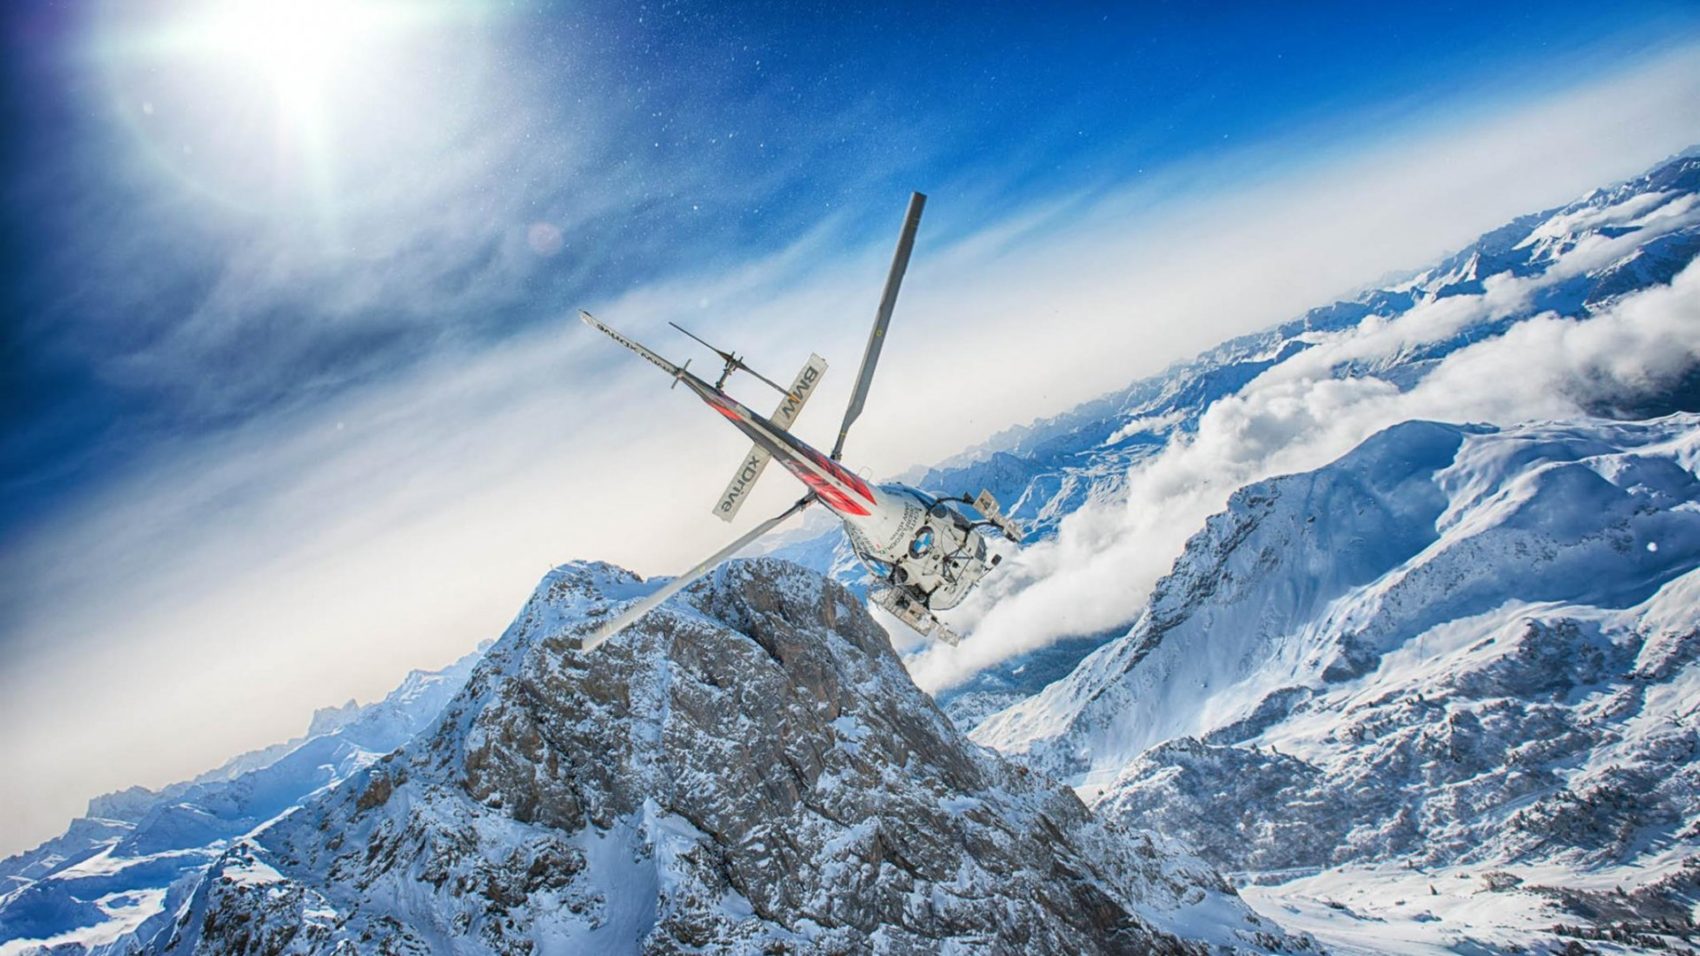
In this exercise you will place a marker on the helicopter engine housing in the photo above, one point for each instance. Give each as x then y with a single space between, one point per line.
919 545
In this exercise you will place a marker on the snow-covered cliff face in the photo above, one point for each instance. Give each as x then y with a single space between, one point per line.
119 873
749 769
1456 647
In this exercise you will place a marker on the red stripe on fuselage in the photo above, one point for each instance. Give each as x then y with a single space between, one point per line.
797 457
827 492
841 473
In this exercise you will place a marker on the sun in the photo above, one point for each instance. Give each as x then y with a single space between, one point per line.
288 108
305 48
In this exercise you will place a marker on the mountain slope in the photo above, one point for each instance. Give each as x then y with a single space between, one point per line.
748 771
1582 260
1259 402
118 874
1456 647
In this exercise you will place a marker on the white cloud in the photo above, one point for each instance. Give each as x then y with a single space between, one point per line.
211 598
1099 570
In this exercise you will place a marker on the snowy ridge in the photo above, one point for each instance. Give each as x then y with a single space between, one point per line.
1455 647
1435 694
1583 260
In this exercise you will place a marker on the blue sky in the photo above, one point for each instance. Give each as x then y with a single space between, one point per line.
284 297
699 134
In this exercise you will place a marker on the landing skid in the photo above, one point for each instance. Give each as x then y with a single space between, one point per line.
915 614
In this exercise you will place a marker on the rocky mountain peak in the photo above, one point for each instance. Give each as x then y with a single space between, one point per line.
750 769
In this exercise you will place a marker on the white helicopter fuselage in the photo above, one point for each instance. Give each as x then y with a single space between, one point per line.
926 549
921 543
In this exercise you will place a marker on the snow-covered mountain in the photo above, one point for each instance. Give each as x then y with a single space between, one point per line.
1392 352
121 871
749 769
1415 685
1456 650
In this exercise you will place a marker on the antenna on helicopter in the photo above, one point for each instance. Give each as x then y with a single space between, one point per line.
733 364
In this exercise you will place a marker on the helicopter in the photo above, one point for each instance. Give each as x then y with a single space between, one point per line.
924 554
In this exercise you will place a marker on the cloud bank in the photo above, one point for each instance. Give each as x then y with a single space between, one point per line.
1099 570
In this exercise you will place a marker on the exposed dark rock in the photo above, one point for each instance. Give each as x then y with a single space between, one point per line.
751 772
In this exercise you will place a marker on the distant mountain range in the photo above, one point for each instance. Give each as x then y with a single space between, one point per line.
117 875
1576 260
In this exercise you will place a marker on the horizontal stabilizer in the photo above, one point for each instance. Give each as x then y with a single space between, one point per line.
739 488
756 461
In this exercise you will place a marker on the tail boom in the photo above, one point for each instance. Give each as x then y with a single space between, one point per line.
834 484
674 370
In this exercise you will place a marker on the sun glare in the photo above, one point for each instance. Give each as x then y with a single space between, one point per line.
304 47
287 107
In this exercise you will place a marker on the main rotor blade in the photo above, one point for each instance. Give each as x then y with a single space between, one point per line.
644 605
876 339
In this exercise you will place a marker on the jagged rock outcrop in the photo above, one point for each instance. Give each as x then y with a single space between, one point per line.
748 769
